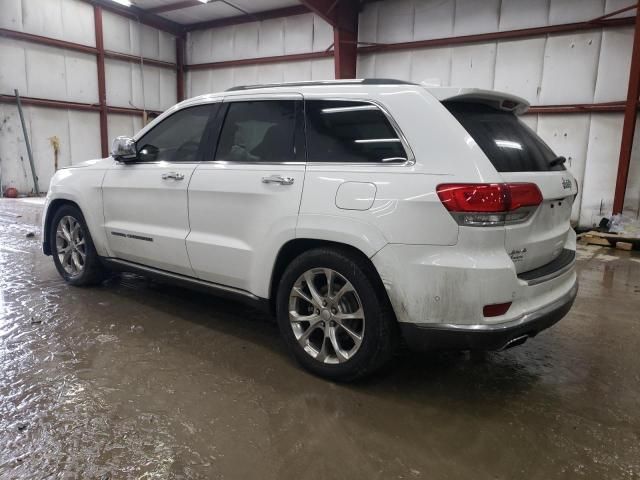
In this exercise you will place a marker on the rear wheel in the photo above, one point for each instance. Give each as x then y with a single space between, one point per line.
333 315
74 254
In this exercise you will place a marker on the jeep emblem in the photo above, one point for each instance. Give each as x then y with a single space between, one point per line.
566 183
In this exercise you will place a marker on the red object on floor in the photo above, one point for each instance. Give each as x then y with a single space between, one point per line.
11 192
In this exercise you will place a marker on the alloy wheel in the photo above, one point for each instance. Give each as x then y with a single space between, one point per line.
70 245
326 315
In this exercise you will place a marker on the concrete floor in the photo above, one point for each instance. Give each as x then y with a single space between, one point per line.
139 380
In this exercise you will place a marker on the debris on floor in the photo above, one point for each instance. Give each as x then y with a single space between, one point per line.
616 231
30 235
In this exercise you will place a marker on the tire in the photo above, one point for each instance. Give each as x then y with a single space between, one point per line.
313 343
92 272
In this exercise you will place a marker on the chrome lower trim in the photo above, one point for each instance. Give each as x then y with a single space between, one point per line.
125 265
498 327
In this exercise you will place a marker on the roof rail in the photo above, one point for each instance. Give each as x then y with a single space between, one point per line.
360 81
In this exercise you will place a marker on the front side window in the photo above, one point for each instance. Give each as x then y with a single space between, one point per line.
177 138
345 131
259 131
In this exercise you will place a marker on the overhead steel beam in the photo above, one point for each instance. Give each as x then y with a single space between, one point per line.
507 34
260 60
254 17
325 9
578 108
52 42
102 88
629 125
77 47
140 15
65 105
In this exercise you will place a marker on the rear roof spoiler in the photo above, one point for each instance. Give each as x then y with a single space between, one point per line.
499 100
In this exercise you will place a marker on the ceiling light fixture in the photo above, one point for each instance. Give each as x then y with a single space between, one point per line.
126 3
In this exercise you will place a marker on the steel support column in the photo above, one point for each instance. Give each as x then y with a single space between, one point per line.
180 41
629 125
345 40
102 90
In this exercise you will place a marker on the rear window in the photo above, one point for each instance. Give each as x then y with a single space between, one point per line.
510 144
346 131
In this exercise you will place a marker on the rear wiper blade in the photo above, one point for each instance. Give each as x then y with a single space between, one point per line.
559 160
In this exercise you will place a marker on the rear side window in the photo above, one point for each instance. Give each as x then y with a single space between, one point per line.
177 138
510 145
259 131
344 131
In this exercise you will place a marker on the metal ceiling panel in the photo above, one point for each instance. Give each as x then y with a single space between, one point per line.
201 13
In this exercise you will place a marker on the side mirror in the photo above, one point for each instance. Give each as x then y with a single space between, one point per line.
123 149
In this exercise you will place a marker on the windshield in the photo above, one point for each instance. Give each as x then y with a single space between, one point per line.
510 145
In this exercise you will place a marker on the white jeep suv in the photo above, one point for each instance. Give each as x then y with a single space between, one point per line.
360 212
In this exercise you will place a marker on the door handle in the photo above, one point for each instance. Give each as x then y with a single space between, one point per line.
174 175
278 179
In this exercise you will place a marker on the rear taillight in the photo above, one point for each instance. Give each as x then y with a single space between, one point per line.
489 204
496 309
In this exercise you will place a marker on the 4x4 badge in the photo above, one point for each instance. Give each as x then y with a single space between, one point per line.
566 183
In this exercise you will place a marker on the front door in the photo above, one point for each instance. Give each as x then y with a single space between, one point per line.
243 203
145 201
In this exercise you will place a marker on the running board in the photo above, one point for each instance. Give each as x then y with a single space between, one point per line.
185 281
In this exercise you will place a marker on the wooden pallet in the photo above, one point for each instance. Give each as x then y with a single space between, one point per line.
621 242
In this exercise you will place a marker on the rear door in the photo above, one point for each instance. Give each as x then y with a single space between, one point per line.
244 199
521 156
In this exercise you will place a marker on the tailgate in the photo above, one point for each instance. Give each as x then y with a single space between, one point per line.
521 156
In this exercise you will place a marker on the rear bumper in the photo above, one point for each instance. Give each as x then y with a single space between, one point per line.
425 336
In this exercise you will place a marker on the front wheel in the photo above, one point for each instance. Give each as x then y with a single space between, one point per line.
74 254
334 316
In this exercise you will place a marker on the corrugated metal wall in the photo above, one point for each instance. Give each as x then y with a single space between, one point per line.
281 36
59 74
585 67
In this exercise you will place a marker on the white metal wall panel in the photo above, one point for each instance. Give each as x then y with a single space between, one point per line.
322 34
405 20
515 14
614 64
122 124
474 17
431 66
297 34
632 197
568 135
568 11
125 35
433 19
78 134
70 20
570 68
473 65
12 53
47 72
125 87
219 79
601 167
395 21
271 38
519 67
